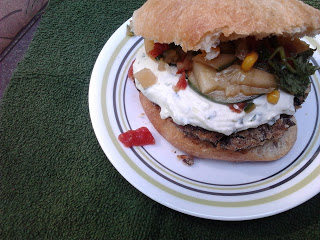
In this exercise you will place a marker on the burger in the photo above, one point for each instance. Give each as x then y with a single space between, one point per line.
223 79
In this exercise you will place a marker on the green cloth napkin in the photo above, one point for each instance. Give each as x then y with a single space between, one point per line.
56 182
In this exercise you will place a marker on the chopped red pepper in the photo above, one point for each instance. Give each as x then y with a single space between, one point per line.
237 107
182 83
158 49
181 70
139 137
181 67
130 71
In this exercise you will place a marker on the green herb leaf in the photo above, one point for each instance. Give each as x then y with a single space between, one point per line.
298 81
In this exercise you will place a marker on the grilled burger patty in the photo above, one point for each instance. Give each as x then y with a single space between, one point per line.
246 139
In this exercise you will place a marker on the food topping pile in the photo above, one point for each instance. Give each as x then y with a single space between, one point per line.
241 70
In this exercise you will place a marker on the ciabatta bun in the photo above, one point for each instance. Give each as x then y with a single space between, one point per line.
169 130
202 24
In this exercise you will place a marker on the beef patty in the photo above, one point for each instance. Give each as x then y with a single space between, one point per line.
245 139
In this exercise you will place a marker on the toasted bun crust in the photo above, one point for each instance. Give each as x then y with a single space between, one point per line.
201 24
268 152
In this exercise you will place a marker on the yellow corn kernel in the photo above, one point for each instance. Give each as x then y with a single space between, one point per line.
273 97
249 61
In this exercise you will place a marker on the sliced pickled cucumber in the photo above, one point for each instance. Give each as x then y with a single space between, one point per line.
219 96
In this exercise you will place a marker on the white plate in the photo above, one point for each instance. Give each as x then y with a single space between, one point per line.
208 189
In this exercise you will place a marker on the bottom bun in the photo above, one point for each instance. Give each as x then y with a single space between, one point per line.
270 151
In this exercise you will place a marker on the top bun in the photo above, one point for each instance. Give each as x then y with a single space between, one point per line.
203 24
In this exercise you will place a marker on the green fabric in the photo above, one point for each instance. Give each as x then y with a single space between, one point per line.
56 182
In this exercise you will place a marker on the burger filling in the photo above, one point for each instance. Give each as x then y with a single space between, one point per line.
237 96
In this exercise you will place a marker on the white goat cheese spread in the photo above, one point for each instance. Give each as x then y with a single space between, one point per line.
188 107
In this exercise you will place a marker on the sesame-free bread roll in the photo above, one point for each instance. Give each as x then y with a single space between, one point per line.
202 24
268 152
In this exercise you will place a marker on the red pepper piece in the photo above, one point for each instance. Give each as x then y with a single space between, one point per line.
237 107
180 67
139 137
182 83
130 71
158 49
181 70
